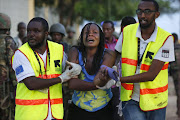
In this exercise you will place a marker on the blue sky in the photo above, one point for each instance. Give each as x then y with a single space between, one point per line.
170 22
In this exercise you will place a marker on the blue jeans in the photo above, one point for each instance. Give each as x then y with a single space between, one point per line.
132 111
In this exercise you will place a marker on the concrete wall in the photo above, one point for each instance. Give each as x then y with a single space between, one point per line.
24 10
18 10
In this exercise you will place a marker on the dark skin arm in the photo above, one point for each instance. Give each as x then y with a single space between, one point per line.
34 83
150 75
118 57
76 83
80 85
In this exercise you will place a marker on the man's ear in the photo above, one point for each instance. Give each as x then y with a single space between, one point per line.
157 14
47 33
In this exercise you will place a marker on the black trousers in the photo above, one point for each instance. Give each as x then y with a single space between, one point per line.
76 113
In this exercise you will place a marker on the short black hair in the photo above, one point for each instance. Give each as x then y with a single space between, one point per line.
175 37
156 5
109 21
21 23
43 21
127 21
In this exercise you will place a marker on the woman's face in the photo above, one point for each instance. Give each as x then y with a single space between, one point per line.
91 36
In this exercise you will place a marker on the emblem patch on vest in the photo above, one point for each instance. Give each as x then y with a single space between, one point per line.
19 70
165 53
57 65
149 55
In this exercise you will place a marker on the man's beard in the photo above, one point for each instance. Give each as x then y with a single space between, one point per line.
37 45
147 25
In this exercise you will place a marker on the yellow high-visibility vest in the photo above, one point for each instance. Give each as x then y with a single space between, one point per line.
32 104
153 94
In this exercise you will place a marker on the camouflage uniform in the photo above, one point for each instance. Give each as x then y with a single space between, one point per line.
174 72
7 75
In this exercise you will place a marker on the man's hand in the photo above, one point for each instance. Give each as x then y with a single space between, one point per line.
76 68
45 90
112 73
71 71
108 85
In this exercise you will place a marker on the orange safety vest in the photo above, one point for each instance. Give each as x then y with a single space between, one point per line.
153 94
32 104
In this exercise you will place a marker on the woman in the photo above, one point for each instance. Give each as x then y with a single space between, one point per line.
89 102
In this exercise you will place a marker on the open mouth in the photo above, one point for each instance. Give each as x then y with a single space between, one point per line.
143 21
90 40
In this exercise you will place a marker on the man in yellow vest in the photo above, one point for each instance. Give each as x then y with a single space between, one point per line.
145 50
38 65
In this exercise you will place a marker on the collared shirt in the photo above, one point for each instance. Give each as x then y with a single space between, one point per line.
112 44
168 45
28 70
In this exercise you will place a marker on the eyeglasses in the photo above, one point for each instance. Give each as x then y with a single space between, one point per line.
146 12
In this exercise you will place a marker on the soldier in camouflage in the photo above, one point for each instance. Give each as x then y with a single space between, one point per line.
174 70
7 75
57 33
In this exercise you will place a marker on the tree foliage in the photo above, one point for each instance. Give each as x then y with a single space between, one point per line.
71 11
104 9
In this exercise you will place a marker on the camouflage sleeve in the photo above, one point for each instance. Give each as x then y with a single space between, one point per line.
10 49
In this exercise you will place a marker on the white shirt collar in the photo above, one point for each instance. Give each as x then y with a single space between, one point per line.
152 38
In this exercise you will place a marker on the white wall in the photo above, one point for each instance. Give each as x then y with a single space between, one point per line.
17 10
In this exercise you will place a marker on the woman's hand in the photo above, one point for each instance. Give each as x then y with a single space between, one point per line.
102 77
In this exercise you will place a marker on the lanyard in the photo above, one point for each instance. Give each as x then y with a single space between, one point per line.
140 58
36 55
